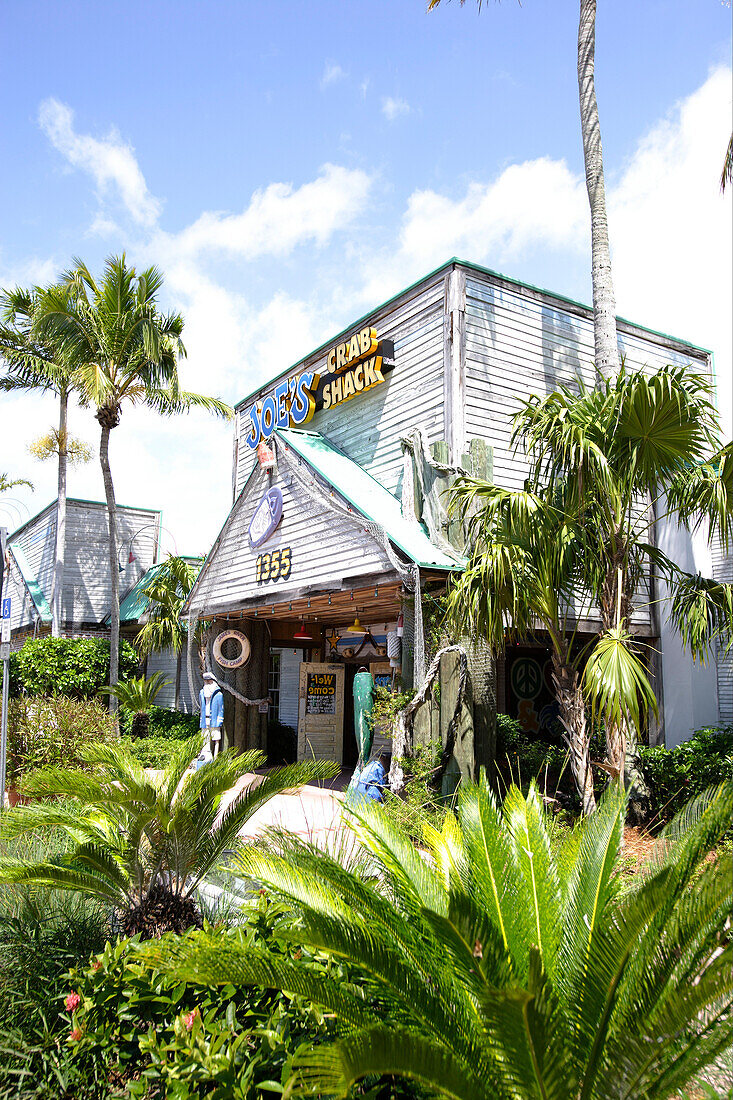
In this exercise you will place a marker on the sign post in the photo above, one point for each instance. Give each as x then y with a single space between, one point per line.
5 654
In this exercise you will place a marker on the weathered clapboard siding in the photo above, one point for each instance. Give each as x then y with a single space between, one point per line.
37 540
520 342
326 550
165 661
723 571
86 595
368 428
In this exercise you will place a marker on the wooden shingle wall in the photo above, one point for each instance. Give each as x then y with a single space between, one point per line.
22 608
325 550
520 342
368 428
723 571
86 597
37 540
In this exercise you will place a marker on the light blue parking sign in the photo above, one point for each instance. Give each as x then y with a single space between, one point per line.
6 608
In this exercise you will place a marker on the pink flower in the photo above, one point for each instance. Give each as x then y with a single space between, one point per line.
75 1035
189 1017
96 965
72 1001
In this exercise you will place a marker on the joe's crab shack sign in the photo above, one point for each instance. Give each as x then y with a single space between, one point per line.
353 367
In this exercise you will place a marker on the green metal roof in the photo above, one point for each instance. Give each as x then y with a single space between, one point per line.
370 498
136 602
34 589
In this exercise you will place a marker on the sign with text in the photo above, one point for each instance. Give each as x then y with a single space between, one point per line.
320 693
352 368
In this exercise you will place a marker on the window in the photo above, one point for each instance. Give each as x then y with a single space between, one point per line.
273 685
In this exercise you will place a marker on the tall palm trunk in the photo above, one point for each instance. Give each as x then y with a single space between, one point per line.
57 585
604 301
573 717
108 419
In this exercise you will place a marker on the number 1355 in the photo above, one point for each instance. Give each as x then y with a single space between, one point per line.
275 566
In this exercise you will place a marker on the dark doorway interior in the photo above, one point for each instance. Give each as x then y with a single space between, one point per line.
351 752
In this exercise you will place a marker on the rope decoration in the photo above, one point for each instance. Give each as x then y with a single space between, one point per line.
402 739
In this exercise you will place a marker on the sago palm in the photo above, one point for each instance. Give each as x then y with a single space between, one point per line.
639 449
500 965
143 844
137 696
124 351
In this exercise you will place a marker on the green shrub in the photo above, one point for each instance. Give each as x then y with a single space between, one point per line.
164 724
43 934
421 800
75 667
163 1037
152 752
47 732
674 776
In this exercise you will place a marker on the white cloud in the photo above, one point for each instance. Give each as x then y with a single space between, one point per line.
280 216
109 160
393 107
671 228
332 73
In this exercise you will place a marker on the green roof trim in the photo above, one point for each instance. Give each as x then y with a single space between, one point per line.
136 602
370 498
34 589
453 261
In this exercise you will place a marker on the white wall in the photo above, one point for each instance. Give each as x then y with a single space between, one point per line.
690 689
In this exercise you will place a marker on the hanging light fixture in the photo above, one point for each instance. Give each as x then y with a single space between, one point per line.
356 627
302 635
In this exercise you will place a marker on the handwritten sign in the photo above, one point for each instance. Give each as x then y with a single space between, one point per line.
321 693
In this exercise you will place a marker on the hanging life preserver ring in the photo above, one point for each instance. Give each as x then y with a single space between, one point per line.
244 652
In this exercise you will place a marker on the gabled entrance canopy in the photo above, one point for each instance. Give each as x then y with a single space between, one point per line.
325 556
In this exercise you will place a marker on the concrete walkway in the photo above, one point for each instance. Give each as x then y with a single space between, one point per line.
312 812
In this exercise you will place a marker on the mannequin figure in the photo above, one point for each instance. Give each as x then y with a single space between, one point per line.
211 704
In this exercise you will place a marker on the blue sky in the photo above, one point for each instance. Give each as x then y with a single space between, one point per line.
290 165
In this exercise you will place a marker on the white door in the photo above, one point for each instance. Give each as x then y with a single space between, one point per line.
321 712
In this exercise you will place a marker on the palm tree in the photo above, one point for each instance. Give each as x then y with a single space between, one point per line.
142 844
166 593
523 577
123 351
604 300
638 449
137 696
504 965
40 364
7 482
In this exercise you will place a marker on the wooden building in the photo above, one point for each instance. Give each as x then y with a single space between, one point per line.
86 596
337 467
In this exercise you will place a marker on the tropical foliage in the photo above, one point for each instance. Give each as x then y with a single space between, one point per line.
505 965
74 667
605 466
52 732
33 362
137 696
123 350
676 775
138 843
166 594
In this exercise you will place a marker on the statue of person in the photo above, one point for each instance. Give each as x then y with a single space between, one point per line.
211 709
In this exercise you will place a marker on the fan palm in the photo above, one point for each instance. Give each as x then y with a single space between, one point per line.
522 578
504 965
124 351
137 696
39 364
640 448
139 843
